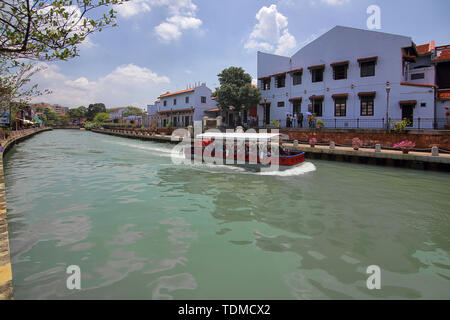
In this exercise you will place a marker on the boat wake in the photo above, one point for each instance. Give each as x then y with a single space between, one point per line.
298 170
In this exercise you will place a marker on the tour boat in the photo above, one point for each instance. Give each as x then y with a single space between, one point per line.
250 149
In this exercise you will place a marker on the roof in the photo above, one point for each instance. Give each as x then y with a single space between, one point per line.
444 94
241 136
168 94
444 56
425 48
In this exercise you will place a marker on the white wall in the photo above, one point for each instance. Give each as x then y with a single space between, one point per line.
342 44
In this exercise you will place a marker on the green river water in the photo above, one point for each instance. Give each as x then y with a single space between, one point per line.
140 227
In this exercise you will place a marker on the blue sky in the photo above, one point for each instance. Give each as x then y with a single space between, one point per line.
163 45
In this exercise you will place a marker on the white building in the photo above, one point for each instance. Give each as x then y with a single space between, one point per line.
343 76
116 114
181 108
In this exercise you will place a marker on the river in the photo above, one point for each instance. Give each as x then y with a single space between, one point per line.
140 227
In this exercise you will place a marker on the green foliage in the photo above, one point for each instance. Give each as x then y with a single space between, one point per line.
93 109
91 125
400 126
236 89
320 124
101 117
50 29
275 123
132 111
169 125
78 113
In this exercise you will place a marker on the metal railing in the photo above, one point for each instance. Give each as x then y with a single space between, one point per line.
350 123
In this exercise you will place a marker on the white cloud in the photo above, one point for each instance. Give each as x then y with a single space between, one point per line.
132 8
123 85
182 16
271 32
330 2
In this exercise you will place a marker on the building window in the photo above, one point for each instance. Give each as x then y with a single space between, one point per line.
296 78
187 99
367 69
280 81
280 104
266 84
165 103
203 99
296 106
367 104
340 72
317 75
317 106
340 107
417 76
174 102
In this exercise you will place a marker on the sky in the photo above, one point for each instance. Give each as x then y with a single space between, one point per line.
165 45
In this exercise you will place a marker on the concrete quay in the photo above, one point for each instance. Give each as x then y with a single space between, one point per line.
6 287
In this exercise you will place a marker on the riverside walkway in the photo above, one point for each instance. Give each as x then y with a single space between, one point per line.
386 157
6 290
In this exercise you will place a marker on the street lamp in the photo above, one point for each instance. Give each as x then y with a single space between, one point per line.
265 111
388 91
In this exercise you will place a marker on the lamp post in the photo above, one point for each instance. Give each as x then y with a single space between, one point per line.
265 111
388 91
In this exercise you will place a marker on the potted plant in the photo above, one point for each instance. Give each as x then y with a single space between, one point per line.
320 124
275 123
405 146
356 143
312 142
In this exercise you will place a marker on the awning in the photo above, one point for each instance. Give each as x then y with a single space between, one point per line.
361 60
316 97
340 95
367 94
296 70
296 99
405 102
341 63
37 119
319 66
212 110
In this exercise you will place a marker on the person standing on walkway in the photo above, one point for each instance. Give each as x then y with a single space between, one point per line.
294 120
300 120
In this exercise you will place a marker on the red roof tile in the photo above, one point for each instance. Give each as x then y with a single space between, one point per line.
444 56
425 48
174 93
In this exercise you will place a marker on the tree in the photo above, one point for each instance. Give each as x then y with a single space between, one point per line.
132 111
78 113
93 109
101 117
50 29
15 89
236 90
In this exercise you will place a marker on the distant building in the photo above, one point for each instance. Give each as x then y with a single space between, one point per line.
182 108
116 114
344 76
